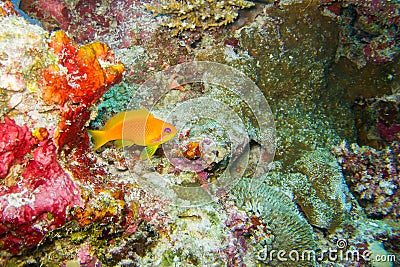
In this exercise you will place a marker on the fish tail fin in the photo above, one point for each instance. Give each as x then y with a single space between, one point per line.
99 138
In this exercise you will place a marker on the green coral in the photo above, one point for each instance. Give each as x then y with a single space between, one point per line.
285 228
115 100
321 190
317 184
195 14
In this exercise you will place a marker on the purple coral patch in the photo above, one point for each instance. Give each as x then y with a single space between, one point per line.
373 176
388 133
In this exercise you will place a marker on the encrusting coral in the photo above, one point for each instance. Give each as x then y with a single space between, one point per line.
37 191
320 190
368 30
89 69
198 14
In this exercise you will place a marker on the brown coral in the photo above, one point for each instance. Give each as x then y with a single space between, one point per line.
319 189
195 14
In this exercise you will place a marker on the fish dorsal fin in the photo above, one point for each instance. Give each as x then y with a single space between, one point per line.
144 111
120 117
114 120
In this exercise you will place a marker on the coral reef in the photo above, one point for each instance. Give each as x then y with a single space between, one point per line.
363 37
290 66
290 60
48 87
316 184
107 215
373 177
120 24
196 14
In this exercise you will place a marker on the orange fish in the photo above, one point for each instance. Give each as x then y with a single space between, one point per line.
136 127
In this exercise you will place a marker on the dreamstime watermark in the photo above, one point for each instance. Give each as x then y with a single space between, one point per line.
338 254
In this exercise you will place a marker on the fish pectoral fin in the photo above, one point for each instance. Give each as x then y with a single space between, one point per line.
122 143
148 152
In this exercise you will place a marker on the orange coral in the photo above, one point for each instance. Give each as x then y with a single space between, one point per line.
85 72
97 209
79 79
7 8
193 151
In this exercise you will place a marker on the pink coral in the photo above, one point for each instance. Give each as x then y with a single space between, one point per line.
373 176
15 142
38 198
389 133
239 225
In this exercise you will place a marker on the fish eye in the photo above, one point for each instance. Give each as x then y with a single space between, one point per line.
167 130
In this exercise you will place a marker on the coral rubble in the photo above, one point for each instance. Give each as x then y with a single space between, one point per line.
373 177
368 30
